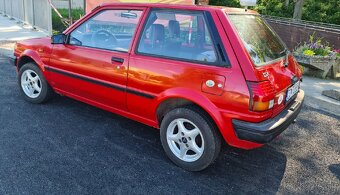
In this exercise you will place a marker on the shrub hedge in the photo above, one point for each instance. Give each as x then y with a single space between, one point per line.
313 10
57 24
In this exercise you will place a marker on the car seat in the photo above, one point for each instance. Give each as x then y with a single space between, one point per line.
173 43
157 36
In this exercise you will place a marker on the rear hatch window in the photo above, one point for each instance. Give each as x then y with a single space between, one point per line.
261 42
275 67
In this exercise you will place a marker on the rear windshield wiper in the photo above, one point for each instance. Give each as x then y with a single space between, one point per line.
286 52
287 56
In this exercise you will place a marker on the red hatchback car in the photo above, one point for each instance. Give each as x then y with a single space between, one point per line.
199 73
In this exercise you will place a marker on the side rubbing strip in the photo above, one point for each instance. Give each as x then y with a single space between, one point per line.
112 86
139 93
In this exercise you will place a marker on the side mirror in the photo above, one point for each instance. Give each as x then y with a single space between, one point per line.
58 39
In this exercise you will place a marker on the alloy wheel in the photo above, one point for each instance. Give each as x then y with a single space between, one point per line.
185 140
31 83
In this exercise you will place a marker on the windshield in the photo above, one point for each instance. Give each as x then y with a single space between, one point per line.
262 44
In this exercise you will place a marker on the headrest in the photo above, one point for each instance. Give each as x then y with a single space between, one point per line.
174 28
157 33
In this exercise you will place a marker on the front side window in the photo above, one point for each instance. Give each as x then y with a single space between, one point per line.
109 29
262 44
177 34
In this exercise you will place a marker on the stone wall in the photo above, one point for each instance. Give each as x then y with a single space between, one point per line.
293 35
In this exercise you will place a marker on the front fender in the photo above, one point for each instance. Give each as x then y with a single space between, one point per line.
34 56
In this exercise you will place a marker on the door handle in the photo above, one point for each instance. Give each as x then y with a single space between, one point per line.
115 59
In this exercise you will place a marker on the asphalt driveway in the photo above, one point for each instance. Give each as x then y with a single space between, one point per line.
67 147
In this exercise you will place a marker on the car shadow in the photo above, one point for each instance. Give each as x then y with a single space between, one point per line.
335 169
133 153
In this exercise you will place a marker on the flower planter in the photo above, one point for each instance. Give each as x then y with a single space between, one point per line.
336 69
317 65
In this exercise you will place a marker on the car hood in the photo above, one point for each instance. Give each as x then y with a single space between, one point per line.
37 44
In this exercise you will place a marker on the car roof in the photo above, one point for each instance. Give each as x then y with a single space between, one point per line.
228 10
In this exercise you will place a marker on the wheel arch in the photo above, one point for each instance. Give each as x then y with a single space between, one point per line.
30 56
177 98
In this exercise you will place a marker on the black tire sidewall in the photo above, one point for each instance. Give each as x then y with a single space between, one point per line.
211 139
44 94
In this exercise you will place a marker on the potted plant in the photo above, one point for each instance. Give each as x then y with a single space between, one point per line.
316 56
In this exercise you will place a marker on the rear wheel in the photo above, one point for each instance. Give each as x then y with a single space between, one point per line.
33 84
189 139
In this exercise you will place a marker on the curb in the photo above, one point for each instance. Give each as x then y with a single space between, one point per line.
330 106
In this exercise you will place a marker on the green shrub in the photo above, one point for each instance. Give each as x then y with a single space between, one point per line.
227 3
337 51
302 68
57 24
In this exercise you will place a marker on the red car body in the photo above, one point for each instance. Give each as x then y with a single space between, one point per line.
142 87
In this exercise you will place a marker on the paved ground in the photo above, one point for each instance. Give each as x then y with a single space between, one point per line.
314 98
67 147
12 31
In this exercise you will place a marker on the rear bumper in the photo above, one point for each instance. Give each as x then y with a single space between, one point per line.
12 60
266 131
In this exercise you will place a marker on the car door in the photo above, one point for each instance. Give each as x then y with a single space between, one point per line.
175 50
92 65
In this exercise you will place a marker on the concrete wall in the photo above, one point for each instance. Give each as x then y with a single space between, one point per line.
17 9
34 12
42 14
63 4
2 5
28 15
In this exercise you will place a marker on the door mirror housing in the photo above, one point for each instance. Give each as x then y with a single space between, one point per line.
58 39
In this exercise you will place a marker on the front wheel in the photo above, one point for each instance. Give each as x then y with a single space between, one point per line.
33 84
189 139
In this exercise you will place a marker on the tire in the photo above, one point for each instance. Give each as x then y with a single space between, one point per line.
174 139
33 85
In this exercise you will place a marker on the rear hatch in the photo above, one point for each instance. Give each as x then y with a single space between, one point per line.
278 74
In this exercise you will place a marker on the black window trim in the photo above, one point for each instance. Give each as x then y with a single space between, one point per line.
212 31
68 36
217 40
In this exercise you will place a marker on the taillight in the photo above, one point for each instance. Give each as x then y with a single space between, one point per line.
262 96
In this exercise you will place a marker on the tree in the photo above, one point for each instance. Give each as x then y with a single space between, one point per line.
287 3
298 9
313 10
228 3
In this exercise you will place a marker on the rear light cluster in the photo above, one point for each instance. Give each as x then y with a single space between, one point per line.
262 96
